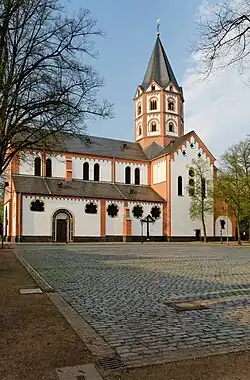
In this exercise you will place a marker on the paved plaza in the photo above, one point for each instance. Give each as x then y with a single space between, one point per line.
126 293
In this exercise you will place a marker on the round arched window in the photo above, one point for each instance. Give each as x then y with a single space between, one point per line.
153 127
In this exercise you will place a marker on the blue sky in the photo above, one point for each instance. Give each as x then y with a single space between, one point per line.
130 28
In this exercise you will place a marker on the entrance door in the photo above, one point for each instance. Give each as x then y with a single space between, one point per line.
61 230
198 235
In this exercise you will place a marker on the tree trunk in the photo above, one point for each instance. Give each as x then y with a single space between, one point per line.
238 229
204 227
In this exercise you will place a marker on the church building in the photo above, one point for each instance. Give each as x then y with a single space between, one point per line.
114 190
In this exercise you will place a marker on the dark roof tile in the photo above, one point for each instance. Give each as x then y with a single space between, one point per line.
77 188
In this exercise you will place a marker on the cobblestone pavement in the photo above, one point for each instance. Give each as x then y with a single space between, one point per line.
125 293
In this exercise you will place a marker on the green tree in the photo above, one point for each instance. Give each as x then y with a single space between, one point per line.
200 189
47 84
233 181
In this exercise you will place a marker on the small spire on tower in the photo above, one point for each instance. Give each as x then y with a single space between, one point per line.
158 27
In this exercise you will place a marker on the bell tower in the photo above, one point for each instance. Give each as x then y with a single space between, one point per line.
158 102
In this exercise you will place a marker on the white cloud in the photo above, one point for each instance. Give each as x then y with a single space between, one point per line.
217 109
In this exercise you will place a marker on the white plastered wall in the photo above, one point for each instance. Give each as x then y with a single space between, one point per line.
114 226
181 225
159 171
120 172
40 223
228 231
105 168
155 229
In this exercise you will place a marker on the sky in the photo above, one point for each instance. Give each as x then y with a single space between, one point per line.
218 109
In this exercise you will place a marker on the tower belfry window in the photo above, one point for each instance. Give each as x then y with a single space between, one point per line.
171 126
171 105
153 127
139 109
153 105
153 87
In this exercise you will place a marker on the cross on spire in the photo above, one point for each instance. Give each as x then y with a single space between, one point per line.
158 27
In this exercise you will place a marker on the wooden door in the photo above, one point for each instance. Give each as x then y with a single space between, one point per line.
61 230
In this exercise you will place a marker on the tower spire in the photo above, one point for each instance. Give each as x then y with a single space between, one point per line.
158 26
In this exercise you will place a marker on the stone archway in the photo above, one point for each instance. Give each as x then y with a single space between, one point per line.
62 226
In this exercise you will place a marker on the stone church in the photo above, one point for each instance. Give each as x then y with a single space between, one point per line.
114 190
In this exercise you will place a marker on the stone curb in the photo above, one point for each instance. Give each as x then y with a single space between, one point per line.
86 333
43 284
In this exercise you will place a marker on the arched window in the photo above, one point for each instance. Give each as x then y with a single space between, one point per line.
171 126
139 109
180 186
153 105
37 166
96 172
171 105
203 188
86 171
153 87
127 175
48 168
137 176
153 127
171 88
139 131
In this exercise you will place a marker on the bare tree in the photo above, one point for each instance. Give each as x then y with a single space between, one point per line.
47 85
200 189
224 36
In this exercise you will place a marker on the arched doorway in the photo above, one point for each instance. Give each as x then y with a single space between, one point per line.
62 226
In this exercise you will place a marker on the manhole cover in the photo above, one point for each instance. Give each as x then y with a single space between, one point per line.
111 363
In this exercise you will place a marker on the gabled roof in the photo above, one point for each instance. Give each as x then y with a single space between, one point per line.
85 189
159 68
152 150
175 144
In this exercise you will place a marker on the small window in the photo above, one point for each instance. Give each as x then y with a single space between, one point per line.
91 208
184 153
127 175
112 210
48 167
139 131
86 171
37 206
180 186
191 182
139 109
153 127
137 211
96 172
137 176
171 88
153 87
171 127
153 105
203 188
171 105
38 166
191 172
199 154
191 191
155 212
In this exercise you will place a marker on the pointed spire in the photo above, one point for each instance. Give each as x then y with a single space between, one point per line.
159 68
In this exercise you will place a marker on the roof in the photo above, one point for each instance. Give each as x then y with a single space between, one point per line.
159 68
105 147
85 189
171 147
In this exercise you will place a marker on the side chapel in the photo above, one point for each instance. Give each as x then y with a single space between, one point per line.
101 189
